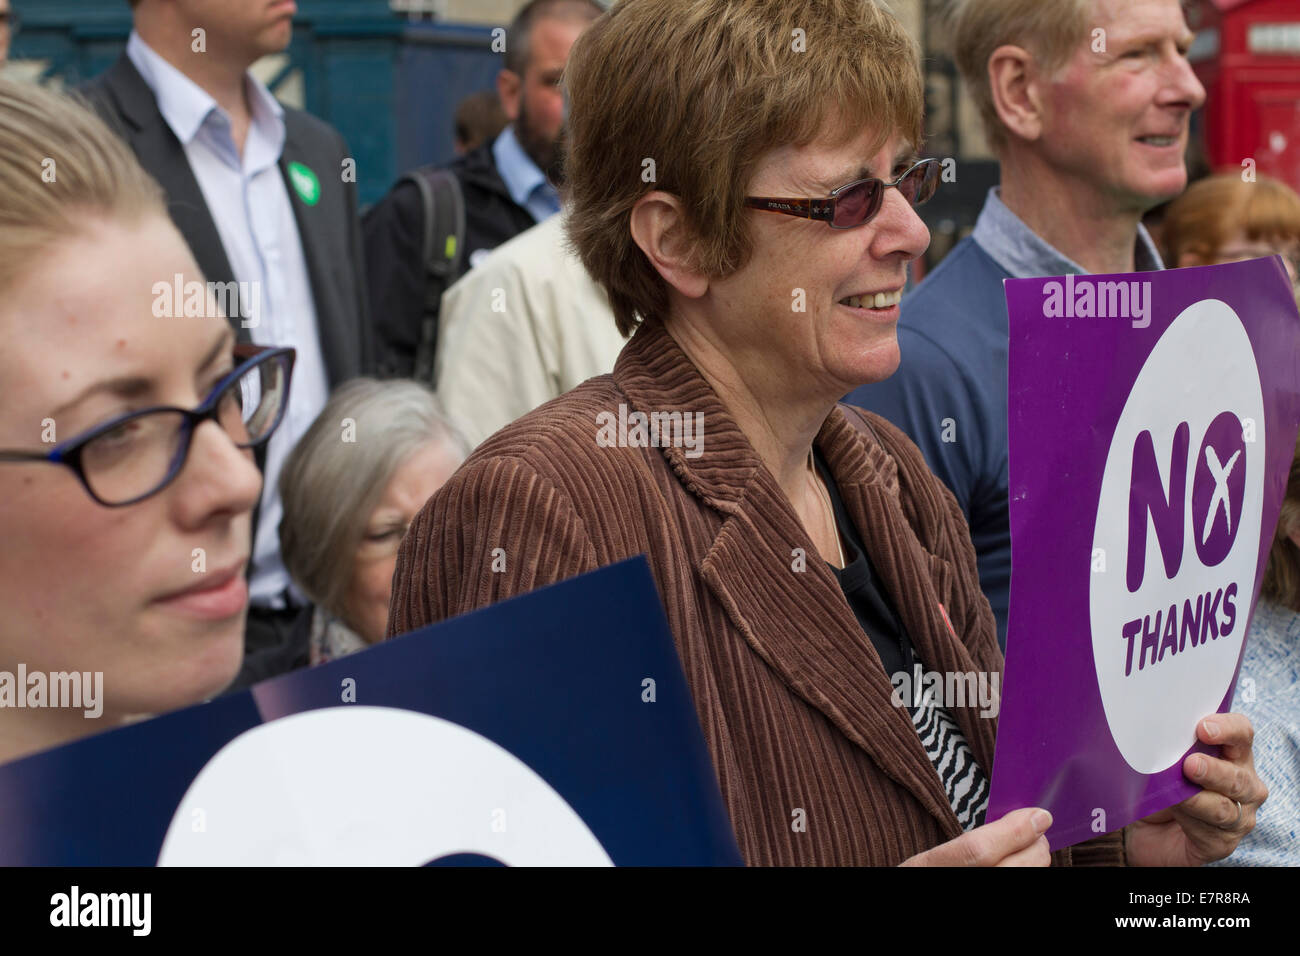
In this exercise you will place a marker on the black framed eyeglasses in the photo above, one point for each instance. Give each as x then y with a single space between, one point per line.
857 203
137 455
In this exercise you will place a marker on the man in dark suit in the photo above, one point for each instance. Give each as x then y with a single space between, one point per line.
266 198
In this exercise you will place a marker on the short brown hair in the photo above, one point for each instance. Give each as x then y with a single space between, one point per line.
479 119
1049 29
1212 211
700 91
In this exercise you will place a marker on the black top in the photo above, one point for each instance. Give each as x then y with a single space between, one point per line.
859 582
964 780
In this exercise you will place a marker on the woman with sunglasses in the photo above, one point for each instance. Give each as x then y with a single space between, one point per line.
127 473
747 199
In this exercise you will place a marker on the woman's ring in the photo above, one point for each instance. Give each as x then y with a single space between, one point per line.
1233 824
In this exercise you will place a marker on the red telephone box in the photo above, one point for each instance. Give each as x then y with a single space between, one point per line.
1247 55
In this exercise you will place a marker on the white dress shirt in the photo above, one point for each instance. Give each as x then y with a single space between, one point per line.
249 203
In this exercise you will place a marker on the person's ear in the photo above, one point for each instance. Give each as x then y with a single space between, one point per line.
660 229
509 86
1015 82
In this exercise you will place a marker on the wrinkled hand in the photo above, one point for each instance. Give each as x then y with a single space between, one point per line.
1015 840
1205 827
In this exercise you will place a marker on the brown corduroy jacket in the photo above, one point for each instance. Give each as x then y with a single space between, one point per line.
792 696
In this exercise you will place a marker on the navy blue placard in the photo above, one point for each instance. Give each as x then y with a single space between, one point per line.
558 678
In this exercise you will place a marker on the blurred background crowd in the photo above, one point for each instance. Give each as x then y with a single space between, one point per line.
409 82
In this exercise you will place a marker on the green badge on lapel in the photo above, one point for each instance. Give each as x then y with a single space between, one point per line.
305 181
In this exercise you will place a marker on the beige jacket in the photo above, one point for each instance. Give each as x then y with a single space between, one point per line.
525 325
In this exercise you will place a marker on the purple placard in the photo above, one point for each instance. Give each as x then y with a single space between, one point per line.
1152 424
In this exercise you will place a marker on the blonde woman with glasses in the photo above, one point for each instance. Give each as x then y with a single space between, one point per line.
127 438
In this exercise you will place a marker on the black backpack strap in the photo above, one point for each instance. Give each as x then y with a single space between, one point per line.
444 248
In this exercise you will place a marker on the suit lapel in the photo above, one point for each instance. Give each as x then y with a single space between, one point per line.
313 231
161 153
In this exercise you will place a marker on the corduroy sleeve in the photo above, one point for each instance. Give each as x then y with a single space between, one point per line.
496 529
1107 850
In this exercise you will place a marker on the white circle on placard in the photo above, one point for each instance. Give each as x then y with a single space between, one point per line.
1202 367
372 786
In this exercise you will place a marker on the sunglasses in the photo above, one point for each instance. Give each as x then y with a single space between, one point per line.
857 203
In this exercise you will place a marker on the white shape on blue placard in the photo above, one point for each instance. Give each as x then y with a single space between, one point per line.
372 786
1202 366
